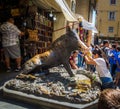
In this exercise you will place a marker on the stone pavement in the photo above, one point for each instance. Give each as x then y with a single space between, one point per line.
12 104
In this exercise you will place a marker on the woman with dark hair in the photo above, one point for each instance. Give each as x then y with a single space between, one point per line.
101 67
109 99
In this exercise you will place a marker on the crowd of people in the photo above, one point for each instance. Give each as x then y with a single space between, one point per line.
104 59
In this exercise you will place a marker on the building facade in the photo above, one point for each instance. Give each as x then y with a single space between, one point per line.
108 18
86 8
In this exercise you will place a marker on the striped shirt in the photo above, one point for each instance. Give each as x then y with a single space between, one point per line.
10 34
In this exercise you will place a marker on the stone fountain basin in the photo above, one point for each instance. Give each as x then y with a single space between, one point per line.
47 102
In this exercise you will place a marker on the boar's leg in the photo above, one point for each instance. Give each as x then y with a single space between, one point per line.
67 67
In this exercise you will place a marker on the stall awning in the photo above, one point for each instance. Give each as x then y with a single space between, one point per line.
47 4
70 16
62 6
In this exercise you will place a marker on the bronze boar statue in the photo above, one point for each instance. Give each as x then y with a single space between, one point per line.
58 54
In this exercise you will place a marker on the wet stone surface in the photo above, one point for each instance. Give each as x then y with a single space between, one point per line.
58 85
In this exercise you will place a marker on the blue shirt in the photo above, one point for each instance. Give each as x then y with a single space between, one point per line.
118 60
112 56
